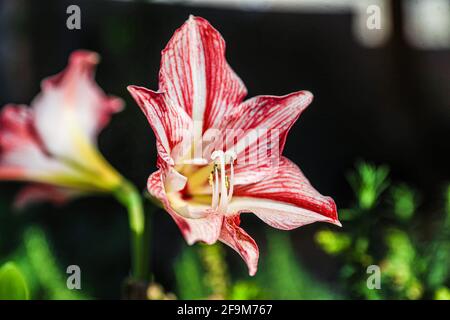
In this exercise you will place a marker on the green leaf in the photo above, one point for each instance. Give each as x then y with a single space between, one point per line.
12 283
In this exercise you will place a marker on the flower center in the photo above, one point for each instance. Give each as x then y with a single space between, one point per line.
221 183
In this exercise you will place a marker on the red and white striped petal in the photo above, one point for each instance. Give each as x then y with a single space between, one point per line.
21 153
235 237
37 193
205 229
257 130
285 200
171 125
72 106
196 76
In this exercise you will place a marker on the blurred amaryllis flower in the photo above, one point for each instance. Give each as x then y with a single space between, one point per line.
53 143
213 156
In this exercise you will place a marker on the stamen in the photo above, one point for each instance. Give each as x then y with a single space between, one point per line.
225 190
232 156
215 200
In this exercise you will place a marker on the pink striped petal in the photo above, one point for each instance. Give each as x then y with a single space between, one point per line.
16 127
11 173
235 237
196 76
205 229
71 102
170 124
36 193
286 200
21 152
257 130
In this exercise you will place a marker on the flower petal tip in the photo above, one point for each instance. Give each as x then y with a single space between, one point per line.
84 57
132 89
136 93
337 223
252 271
309 95
194 19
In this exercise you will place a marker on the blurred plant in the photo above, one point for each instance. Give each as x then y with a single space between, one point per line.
202 272
52 145
189 275
409 269
216 276
39 267
45 267
12 283
368 182
405 201
332 242
438 258
246 290
281 277
399 266
156 291
284 276
442 294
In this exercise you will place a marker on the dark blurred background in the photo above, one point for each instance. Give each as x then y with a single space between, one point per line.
386 101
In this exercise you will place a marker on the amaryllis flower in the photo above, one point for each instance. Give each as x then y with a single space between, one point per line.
53 143
220 156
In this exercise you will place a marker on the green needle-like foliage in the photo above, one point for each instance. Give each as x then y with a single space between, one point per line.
189 275
368 182
404 201
285 277
46 268
382 230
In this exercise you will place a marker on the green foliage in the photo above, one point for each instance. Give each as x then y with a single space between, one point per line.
404 199
203 273
12 283
368 182
375 232
399 267
188 272
442 293
37 264
333 242
45 268
246 290
216 271
283 276
438 257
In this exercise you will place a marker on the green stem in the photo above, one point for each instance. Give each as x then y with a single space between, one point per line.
128 195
